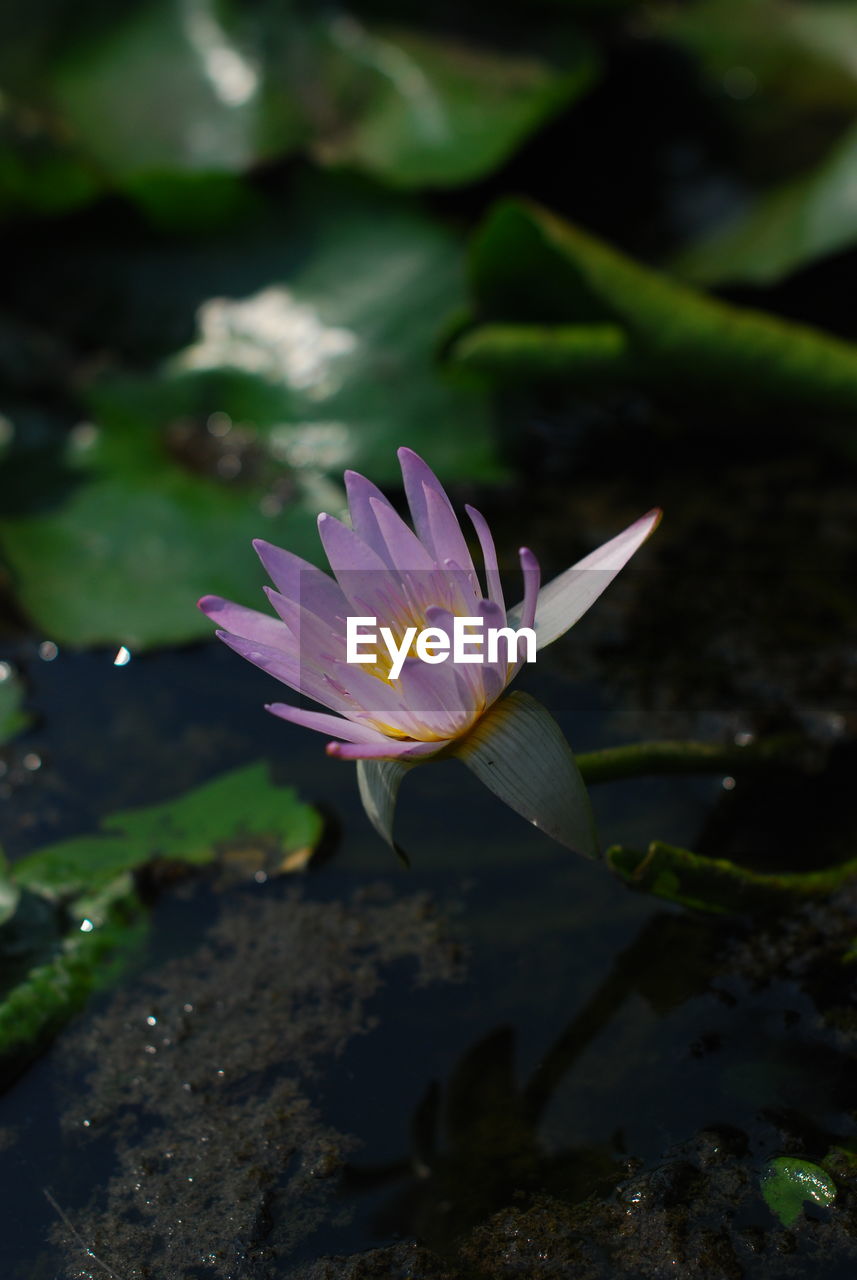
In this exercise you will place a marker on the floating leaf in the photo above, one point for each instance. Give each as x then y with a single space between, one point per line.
243 804
237 806
89 955
180 68
335 353
716 884
125 556
787 1183
784 230
431 111
316 344
221 89
553 302
82 912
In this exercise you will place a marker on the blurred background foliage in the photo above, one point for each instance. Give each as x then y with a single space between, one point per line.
248 245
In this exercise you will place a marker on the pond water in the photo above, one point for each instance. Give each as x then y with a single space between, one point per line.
499 1061
587 259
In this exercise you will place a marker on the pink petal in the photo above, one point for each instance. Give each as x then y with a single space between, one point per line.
402 750
301 581
285 667
248 623
489 556
361 493
316 639
495 675
322 723
404 548
468 676
346 550
532 579
447 539
342 687
431 511
361 573
435 699
372 698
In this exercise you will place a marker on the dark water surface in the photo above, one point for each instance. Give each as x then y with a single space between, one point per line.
406 1053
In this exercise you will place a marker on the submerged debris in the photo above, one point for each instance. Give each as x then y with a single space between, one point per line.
221 1164
698 1214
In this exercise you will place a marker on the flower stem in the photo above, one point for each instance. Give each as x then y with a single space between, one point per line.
637 759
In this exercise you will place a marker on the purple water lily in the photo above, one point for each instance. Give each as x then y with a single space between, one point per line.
420 578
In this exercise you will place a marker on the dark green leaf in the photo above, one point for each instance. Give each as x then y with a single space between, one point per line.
170 87
166 98
92 877
434 112
243 805
192 828
553 302
785 230
329 364
126 555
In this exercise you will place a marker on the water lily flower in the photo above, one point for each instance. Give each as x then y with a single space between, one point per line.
412 579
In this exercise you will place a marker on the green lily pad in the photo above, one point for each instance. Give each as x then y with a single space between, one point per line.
72 910
786 229
434 112
123 558
165 98
327 364
185 71
13 718
552 302
335 356
237 806
787 1183
240 805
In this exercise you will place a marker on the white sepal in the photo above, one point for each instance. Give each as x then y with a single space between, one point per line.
519 752
567 597
379 782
